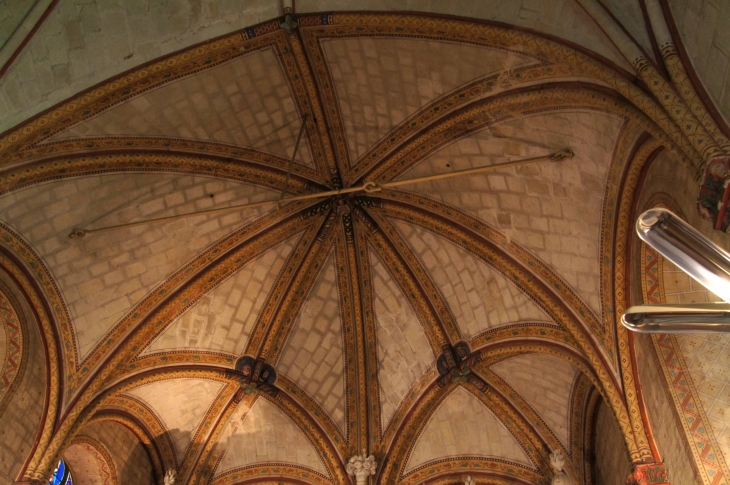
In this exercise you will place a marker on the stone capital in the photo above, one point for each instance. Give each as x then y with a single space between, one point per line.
648 474
361 467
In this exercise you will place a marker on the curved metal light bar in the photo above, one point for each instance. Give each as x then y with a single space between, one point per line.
678 318
688 249
697 256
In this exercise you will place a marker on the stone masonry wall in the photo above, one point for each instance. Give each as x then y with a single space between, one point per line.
669 177
20 420
662 419
704 26
130 459
12 13
84 42
612 458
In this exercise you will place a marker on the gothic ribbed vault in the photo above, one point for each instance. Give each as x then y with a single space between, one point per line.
350 299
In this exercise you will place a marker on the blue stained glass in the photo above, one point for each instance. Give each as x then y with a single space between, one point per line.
62 475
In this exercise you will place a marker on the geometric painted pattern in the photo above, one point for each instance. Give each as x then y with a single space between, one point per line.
252 87
346 312
11 345
694 368
708 359
91 462
102 276
554 211
403 351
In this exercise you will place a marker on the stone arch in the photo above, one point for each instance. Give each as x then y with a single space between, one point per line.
28 389
90 462
679 403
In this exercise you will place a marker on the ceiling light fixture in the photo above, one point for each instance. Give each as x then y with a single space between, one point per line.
700 258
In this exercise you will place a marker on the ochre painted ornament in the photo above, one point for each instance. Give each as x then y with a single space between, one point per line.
649 473
715 193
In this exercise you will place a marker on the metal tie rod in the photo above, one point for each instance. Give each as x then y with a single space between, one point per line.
367 187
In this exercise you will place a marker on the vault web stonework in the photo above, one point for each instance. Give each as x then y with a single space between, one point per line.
348 299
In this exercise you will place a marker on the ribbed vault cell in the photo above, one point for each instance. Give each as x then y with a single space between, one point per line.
276 342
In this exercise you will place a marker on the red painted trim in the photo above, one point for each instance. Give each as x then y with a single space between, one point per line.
704 96
409 272
628 34
505 344
322 233
46 404
191 366
594 436
54 325
538 281
218 418
473 474
598 88
315 424
597 57
252 481
28 37
588 440
723 210
82 388
131 70
387 455
151 151
627 298
639 141
652 39
114 411
513 406
583 50
489 346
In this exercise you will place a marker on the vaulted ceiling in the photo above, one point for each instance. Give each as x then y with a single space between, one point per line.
351 298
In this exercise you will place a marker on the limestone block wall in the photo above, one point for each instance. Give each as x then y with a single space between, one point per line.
313 356
552 210
20 420
612 458
130 459
662 416
704 26
628 13
83 43
12 13
703 358
562 18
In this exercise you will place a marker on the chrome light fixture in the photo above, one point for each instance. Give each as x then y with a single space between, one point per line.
697 256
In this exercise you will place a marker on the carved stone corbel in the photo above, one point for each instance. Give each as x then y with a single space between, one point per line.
361 467
557 461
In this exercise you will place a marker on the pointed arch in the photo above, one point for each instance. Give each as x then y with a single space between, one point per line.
393 471
28 285
143 435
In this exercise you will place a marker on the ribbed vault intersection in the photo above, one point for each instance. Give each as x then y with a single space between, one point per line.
351 299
